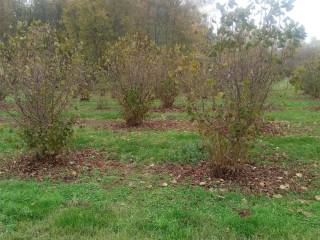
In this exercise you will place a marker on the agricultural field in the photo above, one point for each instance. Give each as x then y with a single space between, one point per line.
159 120
143 183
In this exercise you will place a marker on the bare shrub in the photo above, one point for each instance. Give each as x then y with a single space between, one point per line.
244 62
167 86
86 73
38 69
130 66
3 90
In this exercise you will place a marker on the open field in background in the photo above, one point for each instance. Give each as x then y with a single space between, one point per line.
133 203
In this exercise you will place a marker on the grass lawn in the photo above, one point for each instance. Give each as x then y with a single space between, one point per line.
139 206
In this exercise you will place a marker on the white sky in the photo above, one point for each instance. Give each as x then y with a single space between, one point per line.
306 12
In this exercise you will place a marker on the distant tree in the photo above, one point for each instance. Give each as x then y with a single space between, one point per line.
87 22
121 17
47 11
7 17
168 22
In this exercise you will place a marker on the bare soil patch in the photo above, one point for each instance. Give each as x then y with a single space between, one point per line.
7 106
3 120
313 108
272 108
275 128
169 110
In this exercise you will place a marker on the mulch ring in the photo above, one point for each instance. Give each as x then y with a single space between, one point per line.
68 167
313 108
252 179
274 128
150 124
7 106
3 120
169 110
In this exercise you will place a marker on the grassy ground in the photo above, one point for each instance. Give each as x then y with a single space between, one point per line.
108 207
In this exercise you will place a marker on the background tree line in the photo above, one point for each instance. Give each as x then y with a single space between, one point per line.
167 22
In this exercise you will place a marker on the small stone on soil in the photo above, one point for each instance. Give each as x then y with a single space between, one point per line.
174 181
277 196
284 187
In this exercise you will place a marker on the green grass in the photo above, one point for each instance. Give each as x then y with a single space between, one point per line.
114 206
9 140
112 110
144 146
30 210
297 147
297 116
293 107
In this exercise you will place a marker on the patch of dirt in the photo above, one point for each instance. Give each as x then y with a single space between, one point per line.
252 179
4 121
7 106
272 108
313 108
150 124
169 110
275 128
67 167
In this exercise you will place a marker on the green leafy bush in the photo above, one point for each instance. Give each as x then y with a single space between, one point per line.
307 77
48 141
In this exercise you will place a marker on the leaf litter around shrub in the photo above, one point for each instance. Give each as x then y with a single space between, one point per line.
270 180
67 167
149 124
169 110
278 128
254 179
275 128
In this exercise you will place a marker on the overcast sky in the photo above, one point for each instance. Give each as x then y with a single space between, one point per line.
307 12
